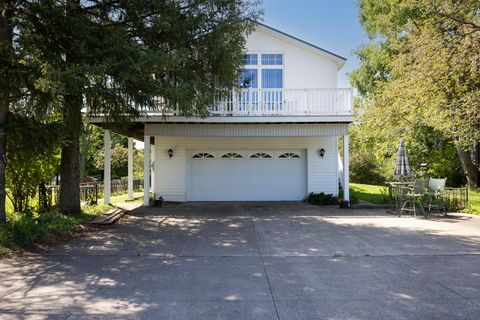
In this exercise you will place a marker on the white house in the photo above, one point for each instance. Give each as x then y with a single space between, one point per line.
276 139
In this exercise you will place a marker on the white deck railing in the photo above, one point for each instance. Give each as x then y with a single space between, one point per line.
269 102
285 102
279 102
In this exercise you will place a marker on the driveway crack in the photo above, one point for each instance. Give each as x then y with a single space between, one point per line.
263 264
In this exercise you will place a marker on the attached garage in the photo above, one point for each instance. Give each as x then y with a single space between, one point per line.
241 175
243 168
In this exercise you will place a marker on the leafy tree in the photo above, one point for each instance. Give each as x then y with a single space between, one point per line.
119 161
18 74
93 152
33 157
420 80
6 66
138 164
117 57
365 169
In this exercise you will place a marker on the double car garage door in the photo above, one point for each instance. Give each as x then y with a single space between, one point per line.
246 175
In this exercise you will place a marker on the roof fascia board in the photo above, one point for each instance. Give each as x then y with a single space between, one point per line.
339 60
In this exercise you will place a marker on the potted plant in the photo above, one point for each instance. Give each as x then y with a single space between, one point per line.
343 204
158 202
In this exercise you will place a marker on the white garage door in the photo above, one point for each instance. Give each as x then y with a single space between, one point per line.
228 175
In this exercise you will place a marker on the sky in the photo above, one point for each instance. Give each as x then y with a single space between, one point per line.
329 24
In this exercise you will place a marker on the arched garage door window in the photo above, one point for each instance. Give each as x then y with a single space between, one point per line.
261 155
232 155
203 155
289 155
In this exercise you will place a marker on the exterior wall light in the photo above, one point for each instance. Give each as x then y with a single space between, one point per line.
321 152
170 153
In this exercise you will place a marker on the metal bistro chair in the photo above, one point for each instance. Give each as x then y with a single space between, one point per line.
412 198
396 189
435 194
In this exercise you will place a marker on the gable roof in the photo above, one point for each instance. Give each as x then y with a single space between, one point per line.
339 60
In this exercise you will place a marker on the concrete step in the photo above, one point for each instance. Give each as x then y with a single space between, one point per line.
368 205
109 217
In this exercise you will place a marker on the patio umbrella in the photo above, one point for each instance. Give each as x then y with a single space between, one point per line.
402 168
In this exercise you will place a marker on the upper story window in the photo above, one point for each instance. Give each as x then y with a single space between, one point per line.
272 78
249 78
262 70
250 59
272 59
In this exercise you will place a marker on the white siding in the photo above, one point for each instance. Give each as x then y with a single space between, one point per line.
171 176
246 130
302 68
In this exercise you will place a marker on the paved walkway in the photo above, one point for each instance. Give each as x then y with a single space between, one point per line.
253 261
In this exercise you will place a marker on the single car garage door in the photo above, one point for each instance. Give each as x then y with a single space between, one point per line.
246 175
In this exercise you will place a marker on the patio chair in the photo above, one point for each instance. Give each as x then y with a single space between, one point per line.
396 190
412 199
436 190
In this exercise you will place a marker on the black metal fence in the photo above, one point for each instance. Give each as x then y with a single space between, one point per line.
49 196
118 186
455 199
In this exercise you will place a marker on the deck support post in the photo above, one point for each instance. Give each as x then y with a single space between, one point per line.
346 169
153 156
107 183
130 169
146 171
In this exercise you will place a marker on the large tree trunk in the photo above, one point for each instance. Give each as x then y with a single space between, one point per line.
3 157
84 151
72 117
5 42
471 170
476 153
70 161
83 156
70 177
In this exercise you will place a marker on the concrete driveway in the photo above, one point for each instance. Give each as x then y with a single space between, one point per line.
253 261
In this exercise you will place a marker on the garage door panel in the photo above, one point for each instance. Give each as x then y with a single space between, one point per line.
227 177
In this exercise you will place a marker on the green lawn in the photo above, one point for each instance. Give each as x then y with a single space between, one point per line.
378 194
369 193
474 201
